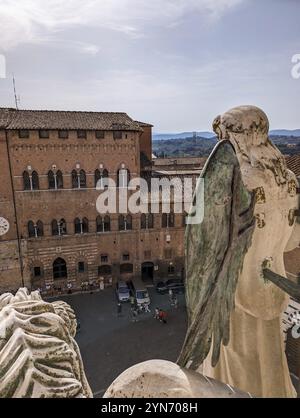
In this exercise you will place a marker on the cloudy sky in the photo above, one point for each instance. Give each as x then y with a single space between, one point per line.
174 63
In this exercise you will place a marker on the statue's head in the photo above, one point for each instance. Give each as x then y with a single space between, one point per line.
247 128
37 349
243 123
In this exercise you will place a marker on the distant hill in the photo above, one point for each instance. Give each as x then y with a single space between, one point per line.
202 147
182 135
209 135
285 132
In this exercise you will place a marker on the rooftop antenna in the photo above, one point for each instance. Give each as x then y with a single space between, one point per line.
17 98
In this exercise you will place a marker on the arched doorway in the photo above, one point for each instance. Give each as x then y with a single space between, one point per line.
60 269
147 272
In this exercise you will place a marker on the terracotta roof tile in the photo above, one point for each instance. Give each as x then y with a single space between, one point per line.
293 163
51 119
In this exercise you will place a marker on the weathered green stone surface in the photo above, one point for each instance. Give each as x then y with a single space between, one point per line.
215 250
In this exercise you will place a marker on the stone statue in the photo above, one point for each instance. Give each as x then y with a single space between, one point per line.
234 311
236 289
39 357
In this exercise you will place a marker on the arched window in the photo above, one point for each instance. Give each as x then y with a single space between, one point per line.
82 179
99 178
99 224
123 177
168 220
164 220
54 227
31 229
128 224
150 220
121 223
26 181
85 226
77 226
103 224
147 221
35 181
39 228
59 180
125 223
62 227
106 223
74 179
143 221
59 269
51 180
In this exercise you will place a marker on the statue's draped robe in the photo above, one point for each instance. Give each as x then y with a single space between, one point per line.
254 360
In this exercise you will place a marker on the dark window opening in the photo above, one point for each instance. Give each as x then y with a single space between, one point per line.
23 133
37 272
81 267
117 134
100 134
59 180
39 229
82 178
85 225
63 134
81 134
77 226
54 227
51 180
31 229
168 220
35 181
104 258
171 269
26 181
44 134
126 257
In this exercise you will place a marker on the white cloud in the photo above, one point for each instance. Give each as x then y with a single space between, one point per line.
27 21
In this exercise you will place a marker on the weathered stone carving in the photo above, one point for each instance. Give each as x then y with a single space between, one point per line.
39 357
234 313
164 379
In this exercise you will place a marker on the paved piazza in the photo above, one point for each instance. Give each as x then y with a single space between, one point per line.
110 344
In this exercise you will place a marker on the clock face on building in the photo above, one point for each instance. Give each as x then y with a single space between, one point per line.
4 226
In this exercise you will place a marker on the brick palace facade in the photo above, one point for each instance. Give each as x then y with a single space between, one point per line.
50 162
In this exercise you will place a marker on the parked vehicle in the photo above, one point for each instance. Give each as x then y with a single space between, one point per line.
122 291
176 285
161 288
140 292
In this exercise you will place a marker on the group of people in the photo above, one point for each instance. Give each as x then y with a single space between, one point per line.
135 309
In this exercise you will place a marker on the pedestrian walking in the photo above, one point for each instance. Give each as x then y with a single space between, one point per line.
163 316
119 309
134 314
146 308
156 313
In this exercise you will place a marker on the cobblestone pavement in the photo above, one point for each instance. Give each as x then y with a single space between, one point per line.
110 344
